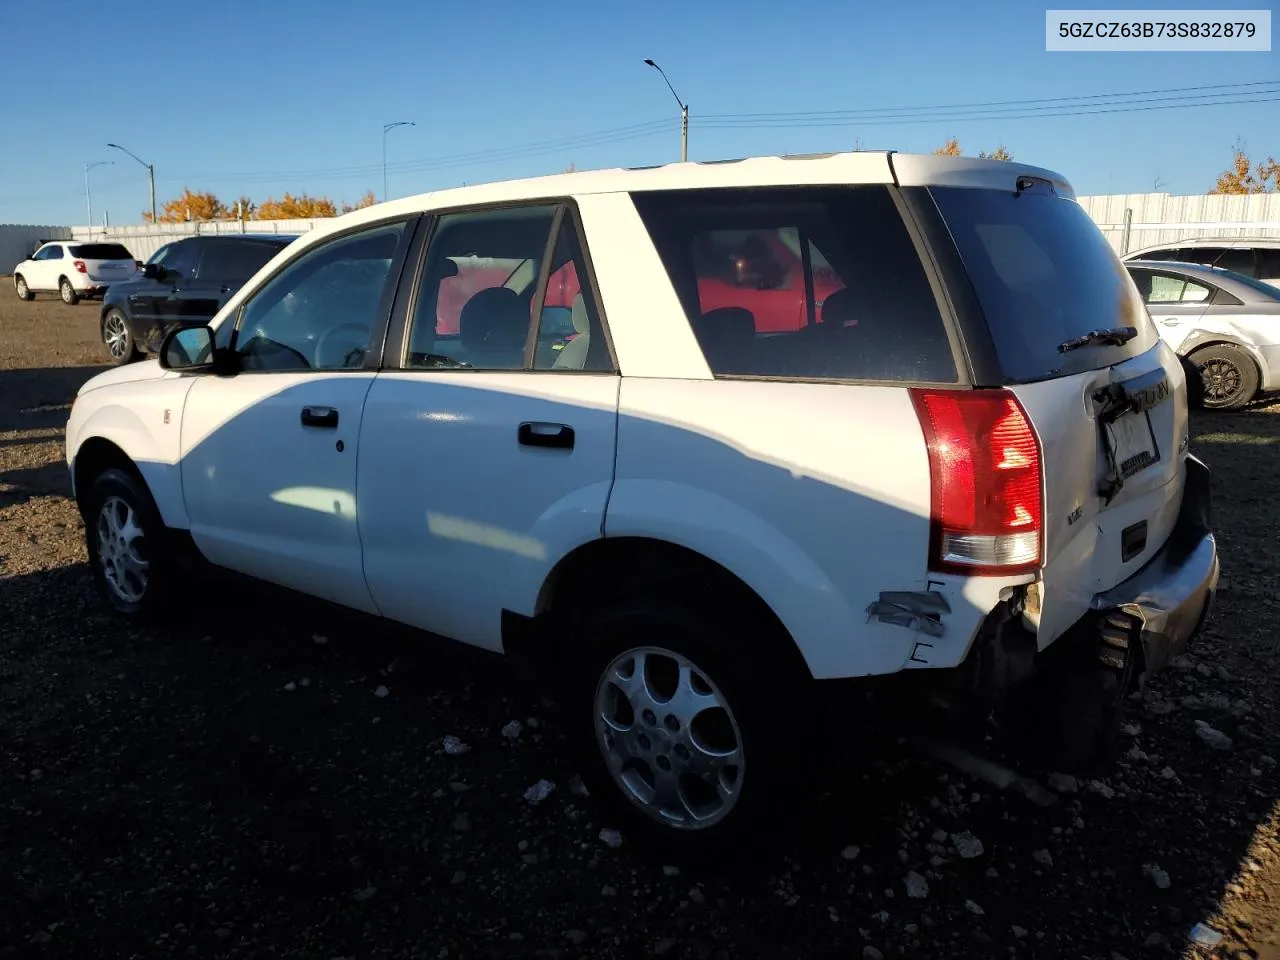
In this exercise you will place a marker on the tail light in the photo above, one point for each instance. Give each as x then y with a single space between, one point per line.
79 265
984 462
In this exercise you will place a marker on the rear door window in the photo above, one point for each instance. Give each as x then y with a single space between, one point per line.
1238 260
811 283
1044 274
1268 263
234 260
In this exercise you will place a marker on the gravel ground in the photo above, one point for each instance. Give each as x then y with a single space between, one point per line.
276 783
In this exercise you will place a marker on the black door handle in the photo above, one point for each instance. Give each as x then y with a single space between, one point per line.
319 417
558 436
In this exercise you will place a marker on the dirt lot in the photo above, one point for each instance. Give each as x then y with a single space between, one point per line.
235 788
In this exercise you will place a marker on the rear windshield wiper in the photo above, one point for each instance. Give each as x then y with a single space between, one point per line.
1116 336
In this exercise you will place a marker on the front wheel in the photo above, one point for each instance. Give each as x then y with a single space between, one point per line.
679 729
125 538
20 286
118 339
68 292
1228 377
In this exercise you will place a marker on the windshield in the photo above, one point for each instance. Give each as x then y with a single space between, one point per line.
1044 275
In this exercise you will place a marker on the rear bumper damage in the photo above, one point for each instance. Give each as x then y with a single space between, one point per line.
1170 597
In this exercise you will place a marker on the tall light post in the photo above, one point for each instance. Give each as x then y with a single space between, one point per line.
88 198
684 113
387 128
151 175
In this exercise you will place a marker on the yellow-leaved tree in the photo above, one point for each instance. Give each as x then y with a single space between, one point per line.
368 200
300 207
952 149
189 206
949 149
1243 176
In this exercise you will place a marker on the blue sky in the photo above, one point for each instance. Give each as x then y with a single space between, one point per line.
274 95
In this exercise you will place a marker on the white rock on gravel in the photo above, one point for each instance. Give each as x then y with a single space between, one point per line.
1042 857
1212 737
291 686
578 788
1019 932
455 747
1158 876
610 837
1063 783
871 953
967 845
1101 789
670 871
539 792
320 640
973 908
381 691
850 852
512 730
917 886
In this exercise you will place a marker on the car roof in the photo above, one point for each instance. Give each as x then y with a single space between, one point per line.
1269 242
280 238
866 166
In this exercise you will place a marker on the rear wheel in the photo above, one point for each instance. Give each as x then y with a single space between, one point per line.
20 285
119 341
1228 376
68 292
681 731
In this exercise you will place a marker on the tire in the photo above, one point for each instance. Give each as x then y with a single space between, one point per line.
1228 377
732 705
68 292
23 291
126 541
118 339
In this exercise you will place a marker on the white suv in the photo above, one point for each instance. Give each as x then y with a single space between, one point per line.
73 270
602 420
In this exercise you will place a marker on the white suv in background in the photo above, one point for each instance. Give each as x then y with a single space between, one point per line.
73 270
600 420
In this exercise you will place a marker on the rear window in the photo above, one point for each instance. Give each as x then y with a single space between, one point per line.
100 251
801 283
1044 274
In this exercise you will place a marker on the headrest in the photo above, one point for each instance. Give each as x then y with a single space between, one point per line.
578 315
840 310
493 319
727 323
448 268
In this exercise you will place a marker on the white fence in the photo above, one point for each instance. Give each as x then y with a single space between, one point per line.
1129 221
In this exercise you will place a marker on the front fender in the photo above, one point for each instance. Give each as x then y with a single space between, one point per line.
834 639
146 429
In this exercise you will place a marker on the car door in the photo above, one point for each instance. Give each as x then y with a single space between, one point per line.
269 453
1176 302
52 262
151 302
481 461
36 271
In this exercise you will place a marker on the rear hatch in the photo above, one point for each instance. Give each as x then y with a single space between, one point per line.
1109 408
105 262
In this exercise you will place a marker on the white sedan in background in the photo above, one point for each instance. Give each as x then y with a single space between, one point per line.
1223 324
73 270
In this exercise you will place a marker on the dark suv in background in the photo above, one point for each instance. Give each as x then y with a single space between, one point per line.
184 282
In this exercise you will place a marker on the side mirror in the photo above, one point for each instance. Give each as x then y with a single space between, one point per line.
152 271
188 349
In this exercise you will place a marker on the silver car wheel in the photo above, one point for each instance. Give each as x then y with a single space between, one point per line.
22 288
121 550
66 291
115 336
669 738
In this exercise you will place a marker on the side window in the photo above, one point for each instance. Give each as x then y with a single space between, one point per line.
570 335
55 252
234 260
318 313
180 262
1165 288
475 296
1238 259
732 258
1195 292
160 255
1268 263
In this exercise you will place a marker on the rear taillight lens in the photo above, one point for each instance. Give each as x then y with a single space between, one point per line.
79 265
984 462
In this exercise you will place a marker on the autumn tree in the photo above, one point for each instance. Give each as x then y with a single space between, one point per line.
952 149
242 209
368 200
190 206
301 207
1247 177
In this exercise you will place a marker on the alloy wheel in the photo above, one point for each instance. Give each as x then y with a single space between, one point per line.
1222 380
122 550
669 738
115 336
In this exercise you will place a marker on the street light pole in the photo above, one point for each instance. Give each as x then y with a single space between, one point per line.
386 128
684 113
151 175
88 198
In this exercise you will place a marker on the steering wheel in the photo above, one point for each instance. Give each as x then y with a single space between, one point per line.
356 342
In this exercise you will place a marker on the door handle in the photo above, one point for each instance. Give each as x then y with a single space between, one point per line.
558 436
1170 321
326 417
